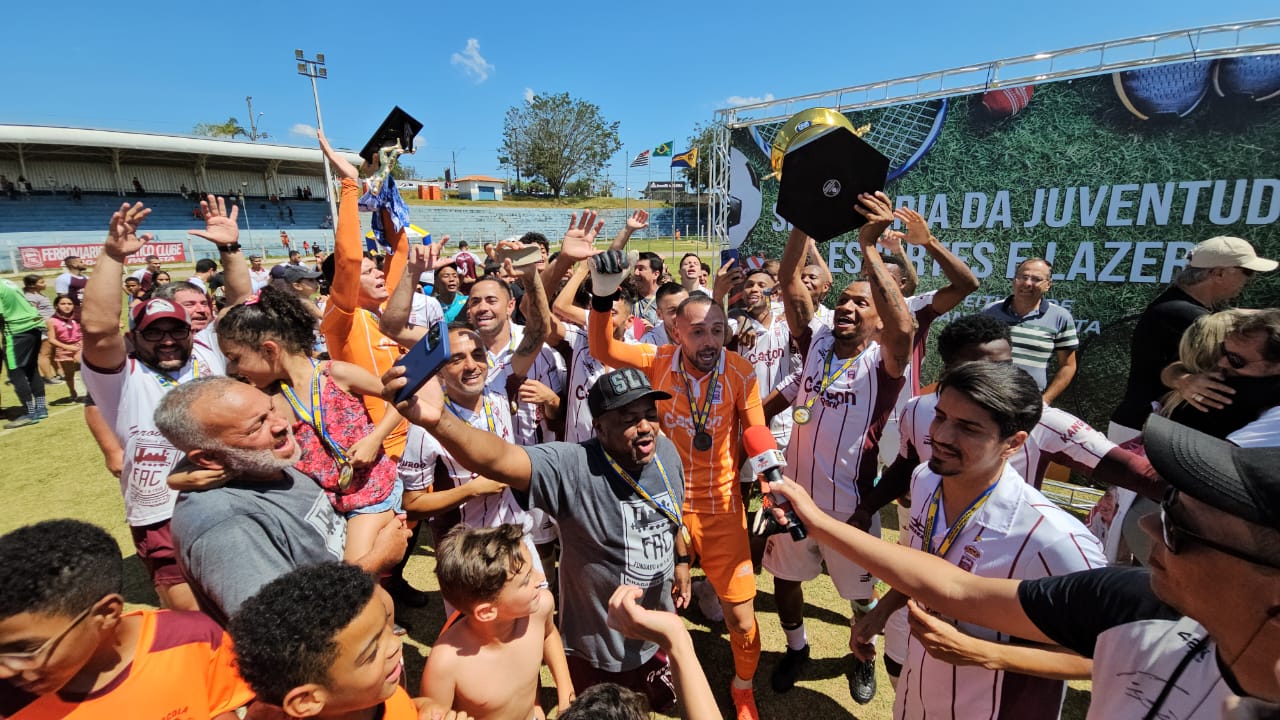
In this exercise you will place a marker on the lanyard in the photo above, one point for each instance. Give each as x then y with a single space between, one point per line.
672 511
931 518
701 415
488 412
169 383
315 416
511 349
829 377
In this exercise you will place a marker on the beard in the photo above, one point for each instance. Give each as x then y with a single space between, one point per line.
172 361
260 463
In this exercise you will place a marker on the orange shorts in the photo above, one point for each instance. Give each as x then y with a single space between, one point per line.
720 542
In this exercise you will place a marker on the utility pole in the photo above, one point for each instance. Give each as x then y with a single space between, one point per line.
253 121
316 69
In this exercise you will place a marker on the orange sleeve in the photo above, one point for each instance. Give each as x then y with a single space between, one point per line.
348 250
615 353
227 692
394 270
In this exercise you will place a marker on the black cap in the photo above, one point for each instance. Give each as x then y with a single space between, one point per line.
618 388
399 125
1238 481
821 181
295 273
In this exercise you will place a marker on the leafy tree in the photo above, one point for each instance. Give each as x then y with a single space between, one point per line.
703 138
229 129
578 188
402 171
556 138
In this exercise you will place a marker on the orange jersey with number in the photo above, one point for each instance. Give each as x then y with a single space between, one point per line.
711 476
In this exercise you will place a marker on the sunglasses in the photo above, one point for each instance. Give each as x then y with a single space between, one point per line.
1234 359
38 657
1176 537
158 334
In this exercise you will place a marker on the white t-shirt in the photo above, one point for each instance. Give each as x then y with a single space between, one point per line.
1059 437
423 453
1263 432
837 448
1016 533
425 310
127 399
584 370
259 278
198 282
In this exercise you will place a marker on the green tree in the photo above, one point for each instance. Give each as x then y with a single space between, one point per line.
401 171
229 129
556 138
703 138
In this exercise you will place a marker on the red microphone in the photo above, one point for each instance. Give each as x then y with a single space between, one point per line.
768 461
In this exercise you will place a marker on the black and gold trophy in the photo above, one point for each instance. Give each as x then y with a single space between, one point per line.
827 166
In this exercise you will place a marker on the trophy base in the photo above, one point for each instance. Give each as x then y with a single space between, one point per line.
822 179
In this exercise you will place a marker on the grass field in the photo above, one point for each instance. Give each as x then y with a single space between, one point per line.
54 470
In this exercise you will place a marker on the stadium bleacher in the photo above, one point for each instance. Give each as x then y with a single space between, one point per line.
42 212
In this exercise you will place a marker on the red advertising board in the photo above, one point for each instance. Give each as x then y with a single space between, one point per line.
38 257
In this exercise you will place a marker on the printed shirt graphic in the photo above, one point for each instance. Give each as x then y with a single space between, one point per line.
711 476
772 360
1017 533
127 399
837 449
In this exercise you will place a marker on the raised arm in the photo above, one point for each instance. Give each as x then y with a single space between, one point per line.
563 307
538 322
394 319
220 229
815 253
989 602
348 250
102 304
891 240
479 451
960 279
608 271
796 301
894 315
577 244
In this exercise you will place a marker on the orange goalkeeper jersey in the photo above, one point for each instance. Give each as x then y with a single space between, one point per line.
711 476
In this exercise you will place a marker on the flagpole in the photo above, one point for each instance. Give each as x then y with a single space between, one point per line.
626 175
649 166
671 188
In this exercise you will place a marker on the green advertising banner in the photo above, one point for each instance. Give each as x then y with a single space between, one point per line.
1112 179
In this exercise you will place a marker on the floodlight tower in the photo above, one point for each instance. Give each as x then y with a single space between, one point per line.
316 69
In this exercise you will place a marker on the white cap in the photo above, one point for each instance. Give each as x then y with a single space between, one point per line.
1225 251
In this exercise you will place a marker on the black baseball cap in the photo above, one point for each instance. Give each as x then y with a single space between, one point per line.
294 273
1238 481
619 388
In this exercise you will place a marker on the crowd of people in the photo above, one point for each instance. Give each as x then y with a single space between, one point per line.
581 451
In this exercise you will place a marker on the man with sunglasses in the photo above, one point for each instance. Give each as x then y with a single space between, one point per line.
127 388
68 648
1197 630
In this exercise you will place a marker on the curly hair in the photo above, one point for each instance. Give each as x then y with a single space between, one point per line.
57 567
285 636
277 315
967 331
607 701
473 564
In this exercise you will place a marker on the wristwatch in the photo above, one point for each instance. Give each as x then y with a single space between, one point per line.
232 248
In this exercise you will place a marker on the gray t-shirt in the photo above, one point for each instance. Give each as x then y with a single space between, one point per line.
232 540
609 536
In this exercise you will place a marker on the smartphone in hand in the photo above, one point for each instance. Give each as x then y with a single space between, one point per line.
424 359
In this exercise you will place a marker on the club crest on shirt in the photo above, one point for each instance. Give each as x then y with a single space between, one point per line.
970 556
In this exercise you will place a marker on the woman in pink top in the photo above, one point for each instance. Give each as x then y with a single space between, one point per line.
66 337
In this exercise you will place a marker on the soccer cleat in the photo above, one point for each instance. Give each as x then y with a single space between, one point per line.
1256 77
744 703
788 669
22 421
862 679
1164 91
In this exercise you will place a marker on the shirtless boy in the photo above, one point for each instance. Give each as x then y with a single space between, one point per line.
486 662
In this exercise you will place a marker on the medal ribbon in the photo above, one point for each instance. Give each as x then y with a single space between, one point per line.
829 377
931 518
701 415
673 513
169 383
315 416
488 412
511 347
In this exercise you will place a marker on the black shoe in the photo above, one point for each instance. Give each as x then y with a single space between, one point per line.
788 669
409 596
862 679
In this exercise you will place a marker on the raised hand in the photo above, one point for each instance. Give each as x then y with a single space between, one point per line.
579 240
219 227
609 269
891 240
340 165
639 220
878 210
122 233
917 229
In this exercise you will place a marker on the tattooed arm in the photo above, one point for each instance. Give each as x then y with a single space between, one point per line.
894 315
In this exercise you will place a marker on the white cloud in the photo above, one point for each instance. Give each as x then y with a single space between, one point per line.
303 130
529 95
472 62
736 100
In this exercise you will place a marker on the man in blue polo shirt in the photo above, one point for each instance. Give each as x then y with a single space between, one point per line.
1040 329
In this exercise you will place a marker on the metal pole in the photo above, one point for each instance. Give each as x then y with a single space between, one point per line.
671 189
328 175
244 208
626 179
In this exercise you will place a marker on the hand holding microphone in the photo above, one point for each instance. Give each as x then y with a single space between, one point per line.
768 461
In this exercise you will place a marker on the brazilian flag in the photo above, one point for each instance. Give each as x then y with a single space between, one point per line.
664 150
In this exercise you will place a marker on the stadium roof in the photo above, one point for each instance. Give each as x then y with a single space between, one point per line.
90 144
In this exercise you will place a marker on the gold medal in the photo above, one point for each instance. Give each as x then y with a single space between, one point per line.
801 415
345 473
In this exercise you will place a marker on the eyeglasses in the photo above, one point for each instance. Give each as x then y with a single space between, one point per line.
38 657
158 334
1235 359
1176 536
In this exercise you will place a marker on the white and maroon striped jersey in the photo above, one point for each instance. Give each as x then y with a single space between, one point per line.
1017 533
584 370
1059 437
837 448
772 360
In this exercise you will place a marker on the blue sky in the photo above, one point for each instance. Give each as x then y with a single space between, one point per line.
657 68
